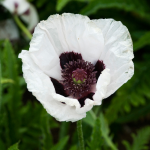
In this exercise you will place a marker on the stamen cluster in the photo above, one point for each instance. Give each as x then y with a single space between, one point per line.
70 72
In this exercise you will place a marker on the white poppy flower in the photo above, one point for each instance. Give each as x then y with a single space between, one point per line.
74 62
24 9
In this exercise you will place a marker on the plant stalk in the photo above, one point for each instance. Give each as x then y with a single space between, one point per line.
22 27
80 135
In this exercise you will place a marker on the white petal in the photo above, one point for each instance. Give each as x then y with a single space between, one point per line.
23 6
42 88
82 36
70 32
101 86
75 103
58 34
118 52
44 54
32 18
121 76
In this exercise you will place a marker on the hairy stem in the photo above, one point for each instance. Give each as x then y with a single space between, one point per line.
80 135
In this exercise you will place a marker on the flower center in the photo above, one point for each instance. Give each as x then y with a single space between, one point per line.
79 76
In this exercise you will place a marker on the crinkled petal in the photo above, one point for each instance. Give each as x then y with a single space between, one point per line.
75 103
22 6
117 54
82 36
64 33
31 18
44 55
42 88
101 86
70 32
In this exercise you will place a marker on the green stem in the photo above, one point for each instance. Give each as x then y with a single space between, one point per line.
80 135
22 27
0 84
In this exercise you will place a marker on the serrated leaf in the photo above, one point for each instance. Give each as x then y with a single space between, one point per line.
96 138
129 6
105 132
131 93
14 147
90 118
139 140
13 93
61 144
45 127
127 145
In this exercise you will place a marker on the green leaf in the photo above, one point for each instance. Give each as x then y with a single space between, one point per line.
133 93
14 147
90 118
74 147
105 132
143 41
96 138
140 140
61 144
13 101
134 114
61 4
45 127
64 128
129 6
0 82
4 80
127 145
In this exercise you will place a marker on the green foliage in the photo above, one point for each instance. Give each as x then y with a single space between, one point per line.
143 41
61 4
105 132
47 137
140 140
126 96
4 80
23 118
63 130
0 82
61 144
125 5
20 122
96 137
90 118
104 129
14 147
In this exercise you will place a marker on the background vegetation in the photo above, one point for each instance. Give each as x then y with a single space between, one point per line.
121 122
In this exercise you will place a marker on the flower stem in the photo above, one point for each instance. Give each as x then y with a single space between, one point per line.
22 27
80 135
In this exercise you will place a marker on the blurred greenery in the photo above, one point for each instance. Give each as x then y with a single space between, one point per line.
121 122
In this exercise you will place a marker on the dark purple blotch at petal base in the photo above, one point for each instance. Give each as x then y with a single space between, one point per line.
67 57
99 67
27 12
59 88
82 100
